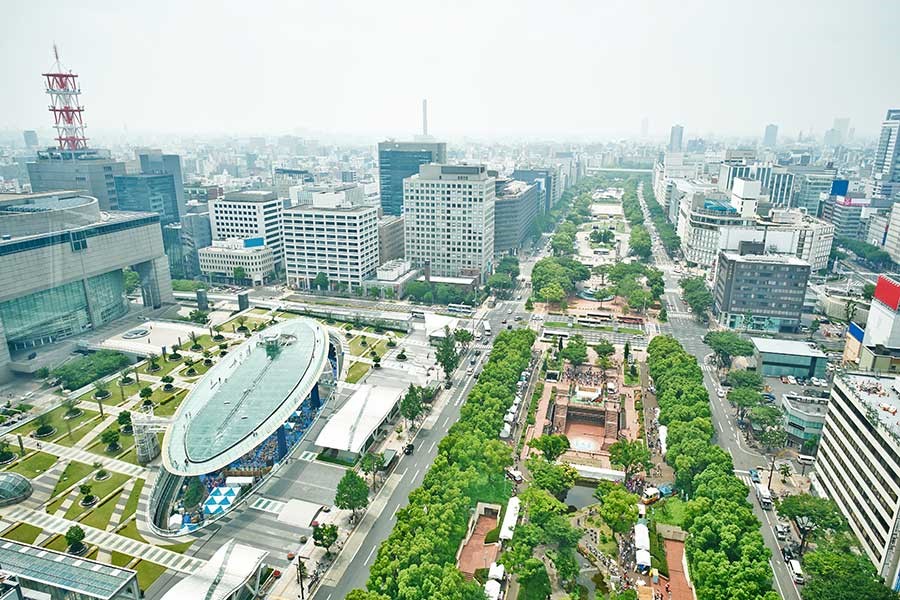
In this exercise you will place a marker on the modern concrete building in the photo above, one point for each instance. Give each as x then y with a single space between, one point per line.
701 217
156 193
546 180
196 233
202 192
334 235
892 234
241 420
223 261
174 249
516 206
846 214
249 214
390 238
759 292
775 358
791 232
858 464
284 178
886 167
449 220
676 135
399 160
809 184
154 161
804 418
91 171
770 137
61 261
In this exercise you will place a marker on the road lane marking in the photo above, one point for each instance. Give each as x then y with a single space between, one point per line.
394 514
432 446
416 476
371 554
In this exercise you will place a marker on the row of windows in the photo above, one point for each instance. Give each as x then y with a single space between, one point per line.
65 237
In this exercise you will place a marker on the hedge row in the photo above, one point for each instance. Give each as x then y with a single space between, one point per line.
725 549
418 559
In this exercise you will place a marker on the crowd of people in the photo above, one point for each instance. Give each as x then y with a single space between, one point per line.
585 376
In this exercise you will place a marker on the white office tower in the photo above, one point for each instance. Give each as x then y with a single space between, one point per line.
886 168
332 232
449 219
249 214
745 196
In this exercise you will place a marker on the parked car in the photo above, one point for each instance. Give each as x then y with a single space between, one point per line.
782 531
408 449
792 380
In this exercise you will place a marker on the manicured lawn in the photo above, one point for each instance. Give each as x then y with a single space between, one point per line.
125 390
67 439
179 548
23 532
251 323
57 421
57 543
670 511
159 394
631 330
113 398
131 504
101 489
147 573
168 409
286 315
73 473
120 560
165 367
33 464
130 531
356 371
259 311
99 516
372 343
130 456
99 448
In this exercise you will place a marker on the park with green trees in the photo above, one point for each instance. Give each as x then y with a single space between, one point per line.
418 557
725 549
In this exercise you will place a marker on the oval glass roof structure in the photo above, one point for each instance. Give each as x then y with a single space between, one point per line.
245 397
13 488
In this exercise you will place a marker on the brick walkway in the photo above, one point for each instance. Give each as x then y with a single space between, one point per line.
678 583
476 554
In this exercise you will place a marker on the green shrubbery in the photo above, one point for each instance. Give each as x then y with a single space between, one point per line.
725 549
418 557
82 371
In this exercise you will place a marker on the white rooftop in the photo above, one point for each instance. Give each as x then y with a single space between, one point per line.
792 347
435 324
225 573
359 417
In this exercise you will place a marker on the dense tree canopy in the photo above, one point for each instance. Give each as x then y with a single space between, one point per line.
697 296
727 345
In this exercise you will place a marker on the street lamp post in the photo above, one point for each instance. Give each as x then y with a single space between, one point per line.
301 573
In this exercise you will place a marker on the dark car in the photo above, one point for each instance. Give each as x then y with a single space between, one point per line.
408 449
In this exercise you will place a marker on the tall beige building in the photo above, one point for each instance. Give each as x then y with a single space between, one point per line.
448 213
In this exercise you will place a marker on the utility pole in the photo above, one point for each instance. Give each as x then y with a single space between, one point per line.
301 573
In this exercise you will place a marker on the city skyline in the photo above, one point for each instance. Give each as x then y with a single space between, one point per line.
172 79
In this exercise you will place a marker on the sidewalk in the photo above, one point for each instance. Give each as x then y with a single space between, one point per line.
85 457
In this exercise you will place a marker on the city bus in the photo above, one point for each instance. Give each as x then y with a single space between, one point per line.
487 329
460 309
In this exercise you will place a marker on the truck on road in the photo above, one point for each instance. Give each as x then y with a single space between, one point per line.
764 496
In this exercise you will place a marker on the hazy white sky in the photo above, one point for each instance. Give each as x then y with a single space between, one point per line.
488 68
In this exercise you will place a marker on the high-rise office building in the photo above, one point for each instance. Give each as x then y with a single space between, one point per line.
332 234
760 292
448 213
809 184
545 178
249 214
886 167
771 136
149 193
516 206
196 234
399 160
84 169
154 161
61 261
675 138
31 139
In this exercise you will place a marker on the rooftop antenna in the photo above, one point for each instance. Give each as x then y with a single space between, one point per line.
65 104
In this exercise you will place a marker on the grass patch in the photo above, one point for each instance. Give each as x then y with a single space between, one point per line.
117 559
632 379
23 532
57 542
73 473
100 515
356 347
113 398
78 434
167 408
179 548
286 315
57 421
166 366
130 531
33 464
131 504
101 489
130 456
670 511
658 552
324 457
356 371
252 323
631 330
147 573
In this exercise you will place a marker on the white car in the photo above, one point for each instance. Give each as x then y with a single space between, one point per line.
792 380
720 393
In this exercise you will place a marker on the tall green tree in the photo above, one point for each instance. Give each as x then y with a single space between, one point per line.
320 281
744 399
552 446
371 463
618 506
411 405
632 455
352 492
324 536
575 350
447 355
727 345
556 479
834 573
811 514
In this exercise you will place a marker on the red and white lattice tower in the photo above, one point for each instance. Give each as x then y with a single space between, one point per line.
65 106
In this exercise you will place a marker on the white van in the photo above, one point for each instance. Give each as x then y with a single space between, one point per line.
796 571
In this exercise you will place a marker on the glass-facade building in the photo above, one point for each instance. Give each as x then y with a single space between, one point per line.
154 192
399 160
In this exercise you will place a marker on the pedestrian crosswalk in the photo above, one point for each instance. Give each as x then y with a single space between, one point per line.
268 505
107 540
308 456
